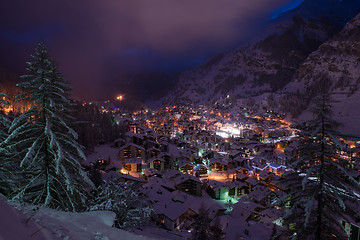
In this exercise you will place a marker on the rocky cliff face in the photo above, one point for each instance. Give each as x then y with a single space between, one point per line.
274 62
335 68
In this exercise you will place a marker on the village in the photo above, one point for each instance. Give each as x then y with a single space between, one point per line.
184 158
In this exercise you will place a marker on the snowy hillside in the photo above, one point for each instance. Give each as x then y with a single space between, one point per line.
49 224
336 65
269 64
300 48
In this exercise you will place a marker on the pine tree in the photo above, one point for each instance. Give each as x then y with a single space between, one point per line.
202 230
201 225
4 120
322 193
5 166
216 231
42 139
124 200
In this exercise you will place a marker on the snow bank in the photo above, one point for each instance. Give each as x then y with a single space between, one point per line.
50 224
14 225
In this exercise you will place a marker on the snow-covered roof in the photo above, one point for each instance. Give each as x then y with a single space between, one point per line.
218 160
112 165
242 176
114 176
183 163
216 185
252 181
151 171
172 173
171 210
156 158
231 184
200 166
185 177
153 149
259 193
265 174
269 215
132 144
132 160
131 134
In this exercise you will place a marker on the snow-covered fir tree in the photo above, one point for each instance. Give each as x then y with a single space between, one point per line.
322 193
44 142
4 120
202 230
5 165
124 200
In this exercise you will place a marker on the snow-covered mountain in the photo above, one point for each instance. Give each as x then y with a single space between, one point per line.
270 64
335 66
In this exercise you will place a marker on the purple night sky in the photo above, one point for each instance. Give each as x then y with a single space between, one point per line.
114 46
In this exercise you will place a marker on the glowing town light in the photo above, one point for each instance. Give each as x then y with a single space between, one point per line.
120 97
228 131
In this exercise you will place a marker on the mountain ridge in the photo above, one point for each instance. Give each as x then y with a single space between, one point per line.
269 64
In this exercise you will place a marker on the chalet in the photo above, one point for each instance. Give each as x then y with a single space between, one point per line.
172 215
114 166
132 126
120 177
119 142
132 150
133 165
200 170
151 172
246 209
218 165
248 147
211 154
157 163
188 184
276 168
168 160
236 153
277 184
152 152
237 189
261 195
270 216
241 177
163 182
241 170
217 190
252 182
265 176
157 190
135 138
258 165
242 162
150 143
185 166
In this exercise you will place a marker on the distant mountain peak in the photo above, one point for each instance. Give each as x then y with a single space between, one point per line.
288 54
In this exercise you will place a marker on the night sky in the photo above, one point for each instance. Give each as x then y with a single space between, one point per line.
132 47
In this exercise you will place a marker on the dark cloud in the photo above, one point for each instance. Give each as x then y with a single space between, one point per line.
102 45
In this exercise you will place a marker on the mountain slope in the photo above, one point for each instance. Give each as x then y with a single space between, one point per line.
335 66
269 64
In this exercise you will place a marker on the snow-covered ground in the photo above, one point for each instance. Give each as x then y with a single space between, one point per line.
103 152
49 224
